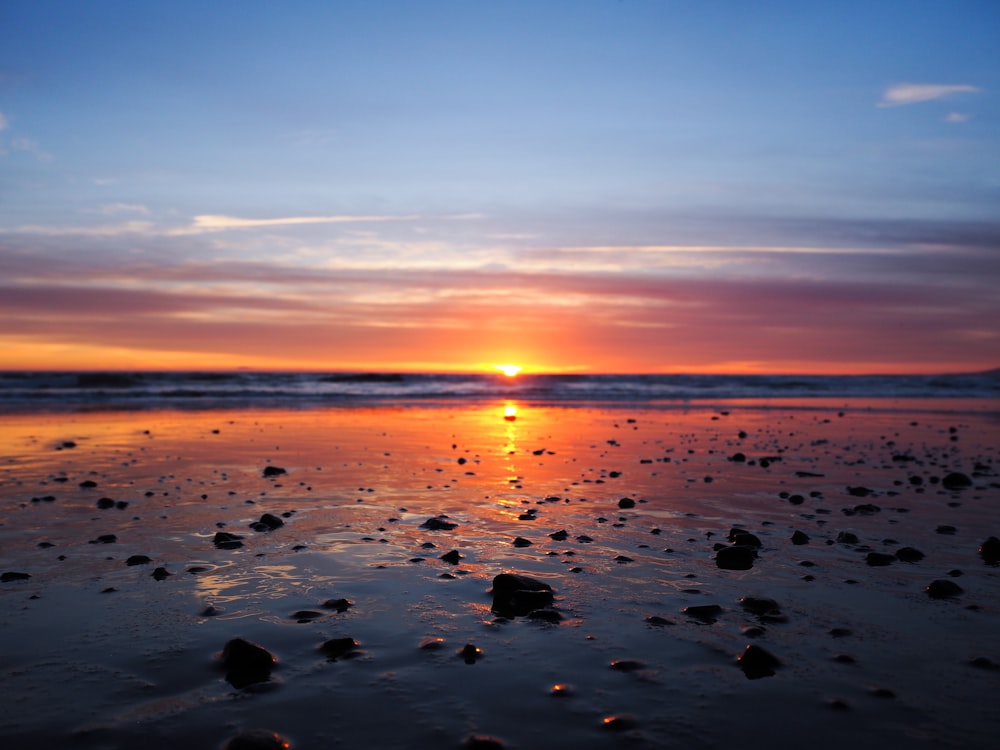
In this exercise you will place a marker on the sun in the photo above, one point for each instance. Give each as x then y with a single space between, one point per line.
509 370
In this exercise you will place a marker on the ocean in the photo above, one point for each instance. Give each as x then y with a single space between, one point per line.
46 391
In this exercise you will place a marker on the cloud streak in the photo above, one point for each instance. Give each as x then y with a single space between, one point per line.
206 223
914 93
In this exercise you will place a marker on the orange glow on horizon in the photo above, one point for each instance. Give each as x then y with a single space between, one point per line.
509 370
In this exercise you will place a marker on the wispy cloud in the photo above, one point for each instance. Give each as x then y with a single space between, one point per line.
30 146
914 93
97 230
112 209
958 117
214 223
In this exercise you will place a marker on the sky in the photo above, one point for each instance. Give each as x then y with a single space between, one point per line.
572 186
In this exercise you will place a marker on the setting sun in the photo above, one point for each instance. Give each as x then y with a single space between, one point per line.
508 370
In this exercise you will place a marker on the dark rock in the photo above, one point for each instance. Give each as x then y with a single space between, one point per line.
619 722
658 621
88 484
879 559
518 595
452 557
584 539
341 605
738 457
704 612
956 480
942 588
559 536
210 611
306 615
909 554
847 537
760 606
138 560
105 539
757 662
522 542
246 663
983 662
627 665
623 559
161 574
105 503
482 742
273 471
13 575
746 539
945 529
800 537
271 521
990 551
440 523
257 739
545 615
337 648
626 502
225 540
433 643
859 491
735 558
470 653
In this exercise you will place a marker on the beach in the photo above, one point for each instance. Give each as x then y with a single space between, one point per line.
855 601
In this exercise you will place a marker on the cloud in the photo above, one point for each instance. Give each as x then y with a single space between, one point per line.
913 93
111 209
4 122
214 223
958 117
30 146
98 230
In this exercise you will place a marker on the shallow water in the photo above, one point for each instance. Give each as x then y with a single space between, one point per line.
85 667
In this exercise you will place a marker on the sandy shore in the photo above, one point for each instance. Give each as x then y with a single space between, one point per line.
101 653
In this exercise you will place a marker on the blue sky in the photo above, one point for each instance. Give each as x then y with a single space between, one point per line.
700 144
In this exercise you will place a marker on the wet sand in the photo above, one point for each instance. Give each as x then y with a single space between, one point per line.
100 653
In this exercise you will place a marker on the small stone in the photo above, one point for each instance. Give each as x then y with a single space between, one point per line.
470 653
847 537
258 739
658 621
341 605
13 575
560 535
161 574
619 722
433 643
439 523
878 559
956 480
626 502
452 557
225 540
522 542
562 690
270 521
274 471
517 595
946 529
105 539
704 612
337 648
757 662
990 551
759 606
735 558
800 537
306 615
105 503
546 615
246 663
942 588
909 555
482 742
627 665
138 560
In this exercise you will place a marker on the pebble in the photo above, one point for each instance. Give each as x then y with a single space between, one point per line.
13 575
273 471
341 605
878 559
704 612
956 480
470 653
522 542
452 557
735 558
482 742
757 662
138 560
990 551
440 523
246 663
619 722
337 648
909 554
942 588
627 665
225 540
800 537
517 595
257 739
